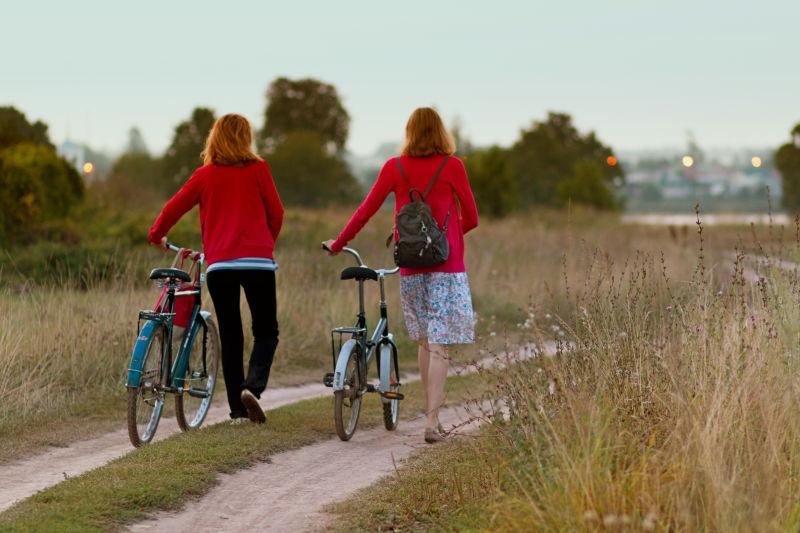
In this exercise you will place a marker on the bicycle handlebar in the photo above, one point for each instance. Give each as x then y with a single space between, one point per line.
354 253
192 254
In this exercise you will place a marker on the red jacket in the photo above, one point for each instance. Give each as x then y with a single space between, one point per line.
451 192
240 211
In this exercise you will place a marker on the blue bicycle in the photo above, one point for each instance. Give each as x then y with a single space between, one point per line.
176 352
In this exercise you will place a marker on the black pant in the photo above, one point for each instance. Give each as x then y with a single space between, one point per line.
259 289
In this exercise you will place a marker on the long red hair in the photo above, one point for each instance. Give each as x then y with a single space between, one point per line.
426 135
230 142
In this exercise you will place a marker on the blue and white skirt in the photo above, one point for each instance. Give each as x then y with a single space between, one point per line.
438 307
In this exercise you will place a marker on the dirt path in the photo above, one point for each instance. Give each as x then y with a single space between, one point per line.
20 479
290 491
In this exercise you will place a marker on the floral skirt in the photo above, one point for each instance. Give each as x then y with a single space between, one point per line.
438 306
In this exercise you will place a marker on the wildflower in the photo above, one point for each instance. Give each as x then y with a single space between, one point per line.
551 387
547 316
555 328
560 333
649 522
669 307
610 520
623 335
492 334
698 328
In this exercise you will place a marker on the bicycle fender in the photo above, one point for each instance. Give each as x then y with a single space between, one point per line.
341 364
181 362
139 351
387 346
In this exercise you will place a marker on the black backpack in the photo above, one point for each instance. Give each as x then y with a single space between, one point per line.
420 242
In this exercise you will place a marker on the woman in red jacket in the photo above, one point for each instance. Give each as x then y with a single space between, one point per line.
240 218
437 303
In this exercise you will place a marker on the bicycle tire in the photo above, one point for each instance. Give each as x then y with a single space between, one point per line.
189 413
349 399
139 432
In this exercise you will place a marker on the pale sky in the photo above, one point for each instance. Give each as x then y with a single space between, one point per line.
638 72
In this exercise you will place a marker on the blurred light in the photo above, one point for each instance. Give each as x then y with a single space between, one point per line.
611 160
88 168
756 161
687 161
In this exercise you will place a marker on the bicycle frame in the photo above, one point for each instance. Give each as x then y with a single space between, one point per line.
380 335
172 372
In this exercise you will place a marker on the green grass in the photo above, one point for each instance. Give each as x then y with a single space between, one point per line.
167 473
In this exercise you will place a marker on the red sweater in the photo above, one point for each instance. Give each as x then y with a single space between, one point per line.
240 211
451 192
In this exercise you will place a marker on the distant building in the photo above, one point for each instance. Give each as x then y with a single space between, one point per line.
74 153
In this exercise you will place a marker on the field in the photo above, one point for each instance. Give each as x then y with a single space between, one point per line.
673 407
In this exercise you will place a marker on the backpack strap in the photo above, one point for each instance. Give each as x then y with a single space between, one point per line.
412 189
435 177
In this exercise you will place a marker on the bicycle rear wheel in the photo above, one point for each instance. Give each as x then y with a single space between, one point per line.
146 402
347 402
192 406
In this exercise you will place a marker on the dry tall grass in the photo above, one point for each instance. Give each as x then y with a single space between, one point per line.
63 352
676 409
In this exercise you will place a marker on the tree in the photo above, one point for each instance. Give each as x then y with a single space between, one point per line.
303 105
496 192
136 179
787 161
136 144
15 129
548 153
36 186
307 174
183 155
586 185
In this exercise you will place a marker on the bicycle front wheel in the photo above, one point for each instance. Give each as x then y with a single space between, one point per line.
192 406
391 406
146 401
347 402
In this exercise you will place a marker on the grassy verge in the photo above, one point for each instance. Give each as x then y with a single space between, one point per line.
676 411
167 473
446 488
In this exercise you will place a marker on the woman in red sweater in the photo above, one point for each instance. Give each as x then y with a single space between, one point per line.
437 303
240 219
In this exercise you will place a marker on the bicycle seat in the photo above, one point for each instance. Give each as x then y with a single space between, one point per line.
170 273
359 273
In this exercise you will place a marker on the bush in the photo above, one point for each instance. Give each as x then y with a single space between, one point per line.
496 192
36 186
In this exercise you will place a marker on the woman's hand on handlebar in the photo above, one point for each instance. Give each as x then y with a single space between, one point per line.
328 247
162 244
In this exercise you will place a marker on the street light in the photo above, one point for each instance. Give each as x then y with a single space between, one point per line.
755 161
612 161
687 161
88 168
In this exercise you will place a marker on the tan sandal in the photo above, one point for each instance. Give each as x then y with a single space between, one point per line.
432 436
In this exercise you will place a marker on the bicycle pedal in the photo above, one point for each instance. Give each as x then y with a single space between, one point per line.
197 393
371 388
327 379
392 395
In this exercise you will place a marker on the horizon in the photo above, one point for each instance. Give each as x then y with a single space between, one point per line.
638 74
